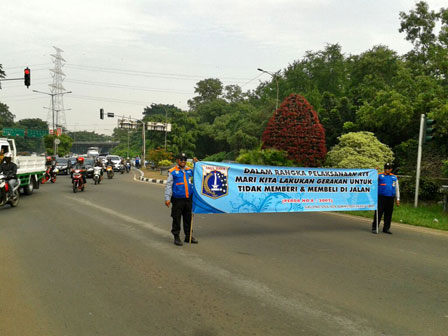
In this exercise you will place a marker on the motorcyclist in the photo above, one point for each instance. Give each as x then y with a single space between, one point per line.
9 169
99 163
110 163
80 165
50 163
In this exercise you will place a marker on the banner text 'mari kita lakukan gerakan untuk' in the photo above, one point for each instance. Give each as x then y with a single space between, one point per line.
239 188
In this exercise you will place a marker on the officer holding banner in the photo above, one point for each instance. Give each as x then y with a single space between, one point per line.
179 193
388 190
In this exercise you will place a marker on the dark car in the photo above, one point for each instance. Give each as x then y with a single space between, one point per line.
62 164
89 163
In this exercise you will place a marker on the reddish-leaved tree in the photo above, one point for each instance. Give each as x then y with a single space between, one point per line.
296 129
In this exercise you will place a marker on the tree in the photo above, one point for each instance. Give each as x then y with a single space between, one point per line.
295 128
63 148
6 117
371 71
28 144
317 72
265 157
359 150
2 73
389 116
430 53
208 90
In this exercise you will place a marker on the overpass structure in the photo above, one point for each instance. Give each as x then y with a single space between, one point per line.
80 147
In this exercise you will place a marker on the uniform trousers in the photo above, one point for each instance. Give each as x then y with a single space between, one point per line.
386 207
182 208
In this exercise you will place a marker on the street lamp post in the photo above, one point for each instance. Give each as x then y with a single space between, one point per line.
274 76
52 109
166 123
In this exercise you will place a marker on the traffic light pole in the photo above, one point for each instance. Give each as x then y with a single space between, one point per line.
419 159
112 115
144 143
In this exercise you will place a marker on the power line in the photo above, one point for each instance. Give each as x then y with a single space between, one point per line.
114 100
251 80
147 73
114 85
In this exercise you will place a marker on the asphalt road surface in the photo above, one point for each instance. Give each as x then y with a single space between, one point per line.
103 262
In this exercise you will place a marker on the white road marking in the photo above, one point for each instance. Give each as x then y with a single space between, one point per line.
294 307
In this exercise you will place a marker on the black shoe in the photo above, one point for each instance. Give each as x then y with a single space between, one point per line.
387 231
193 240
177 241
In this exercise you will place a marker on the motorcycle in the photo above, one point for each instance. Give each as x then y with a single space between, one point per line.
77 180
110 172
4 193
50 175
97 178
128 167
122 169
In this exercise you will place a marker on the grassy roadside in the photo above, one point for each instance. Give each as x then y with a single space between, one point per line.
431 216
153 174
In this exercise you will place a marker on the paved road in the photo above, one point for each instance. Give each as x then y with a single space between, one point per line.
102 262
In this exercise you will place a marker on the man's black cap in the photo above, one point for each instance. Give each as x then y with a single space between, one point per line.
181 156
387 165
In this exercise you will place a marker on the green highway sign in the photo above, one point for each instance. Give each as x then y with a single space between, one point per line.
37 133
14 132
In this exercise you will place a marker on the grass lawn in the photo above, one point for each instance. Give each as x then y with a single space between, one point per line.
153 174
428 215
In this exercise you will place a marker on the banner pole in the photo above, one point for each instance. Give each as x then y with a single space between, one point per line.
191 226
377 224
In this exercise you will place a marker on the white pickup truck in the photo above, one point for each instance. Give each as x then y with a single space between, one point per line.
30 169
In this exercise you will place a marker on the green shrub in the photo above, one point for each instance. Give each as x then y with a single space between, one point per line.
359 150
221 156
165 163
428 190
265 157
445 168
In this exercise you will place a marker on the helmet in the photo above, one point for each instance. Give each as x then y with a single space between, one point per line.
80 159
49 158
387 165
8 155
181 156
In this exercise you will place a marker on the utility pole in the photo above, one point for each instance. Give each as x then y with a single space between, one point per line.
52 109
419 159
144 142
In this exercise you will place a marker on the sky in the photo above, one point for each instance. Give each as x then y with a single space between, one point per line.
124 55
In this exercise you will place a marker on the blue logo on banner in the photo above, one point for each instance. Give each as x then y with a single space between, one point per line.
214 181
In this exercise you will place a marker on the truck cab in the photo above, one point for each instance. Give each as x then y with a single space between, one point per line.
30 169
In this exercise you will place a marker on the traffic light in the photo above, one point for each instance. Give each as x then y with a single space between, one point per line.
101 113
27 76
429 130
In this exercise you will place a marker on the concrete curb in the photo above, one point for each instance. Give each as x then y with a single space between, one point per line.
145 179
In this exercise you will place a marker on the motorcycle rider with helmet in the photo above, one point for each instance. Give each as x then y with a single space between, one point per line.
50 163
9 169
80 165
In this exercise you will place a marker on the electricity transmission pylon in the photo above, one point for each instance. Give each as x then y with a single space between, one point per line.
57 89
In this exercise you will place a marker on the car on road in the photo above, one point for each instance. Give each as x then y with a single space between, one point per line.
63 164
89 163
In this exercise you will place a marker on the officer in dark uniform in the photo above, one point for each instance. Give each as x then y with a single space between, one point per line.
388 190
179 192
